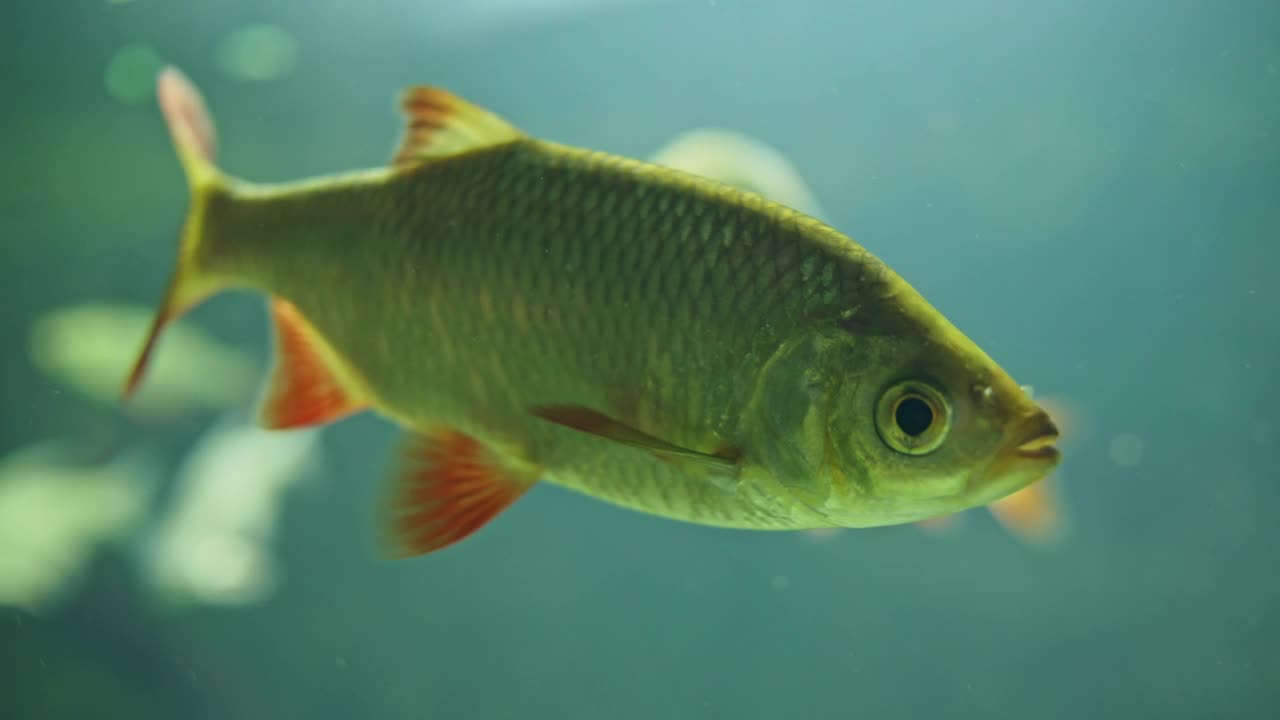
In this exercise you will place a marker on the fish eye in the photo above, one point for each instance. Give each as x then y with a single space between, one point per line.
913 417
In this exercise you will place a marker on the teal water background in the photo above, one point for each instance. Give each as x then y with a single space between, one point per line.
1089 189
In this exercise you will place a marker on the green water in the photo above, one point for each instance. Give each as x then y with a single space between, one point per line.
1089 189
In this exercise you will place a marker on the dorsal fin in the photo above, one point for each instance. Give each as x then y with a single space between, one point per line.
440 123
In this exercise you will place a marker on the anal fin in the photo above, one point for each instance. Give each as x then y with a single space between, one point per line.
306 387
450 485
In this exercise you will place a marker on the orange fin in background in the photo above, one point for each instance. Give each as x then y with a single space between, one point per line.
939 524
304 389
1032 514
449 486
441 123
822 534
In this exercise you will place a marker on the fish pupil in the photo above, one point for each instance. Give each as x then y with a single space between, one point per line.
913 415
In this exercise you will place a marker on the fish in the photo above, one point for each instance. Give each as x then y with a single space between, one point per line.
1032 515
86 347
535 313
212 543
56 513
737 159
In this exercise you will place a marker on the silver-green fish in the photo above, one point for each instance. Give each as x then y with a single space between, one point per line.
534 312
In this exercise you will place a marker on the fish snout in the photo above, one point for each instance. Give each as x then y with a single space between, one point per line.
1034 437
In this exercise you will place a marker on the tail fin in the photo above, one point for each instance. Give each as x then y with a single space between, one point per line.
194 139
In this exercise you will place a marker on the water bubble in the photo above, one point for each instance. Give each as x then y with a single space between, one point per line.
1262 432
1126 450
258 52
131 73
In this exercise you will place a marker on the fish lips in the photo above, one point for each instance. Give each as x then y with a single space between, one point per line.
1034 439
1028 454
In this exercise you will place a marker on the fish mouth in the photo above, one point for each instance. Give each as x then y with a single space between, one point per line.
1035 438
1026 456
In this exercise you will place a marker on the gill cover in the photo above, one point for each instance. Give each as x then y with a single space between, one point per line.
787 420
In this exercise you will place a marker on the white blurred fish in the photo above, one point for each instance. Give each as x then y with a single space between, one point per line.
214 546
54 515
742 161
89 347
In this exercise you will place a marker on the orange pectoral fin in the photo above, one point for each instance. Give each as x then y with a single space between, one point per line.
304 388
449 487
724 462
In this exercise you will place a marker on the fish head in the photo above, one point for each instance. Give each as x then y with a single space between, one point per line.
891 415
923 423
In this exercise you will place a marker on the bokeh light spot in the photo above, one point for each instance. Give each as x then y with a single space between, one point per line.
257 53
131 73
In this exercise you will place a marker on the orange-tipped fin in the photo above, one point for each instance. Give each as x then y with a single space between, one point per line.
192 131
440 123
450 486
307 386
187 117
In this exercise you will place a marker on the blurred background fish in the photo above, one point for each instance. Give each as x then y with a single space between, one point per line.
88 347
745 162
57 512
212 543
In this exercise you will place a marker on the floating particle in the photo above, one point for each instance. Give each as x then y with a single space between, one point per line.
131 73
1126 450
1262 432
